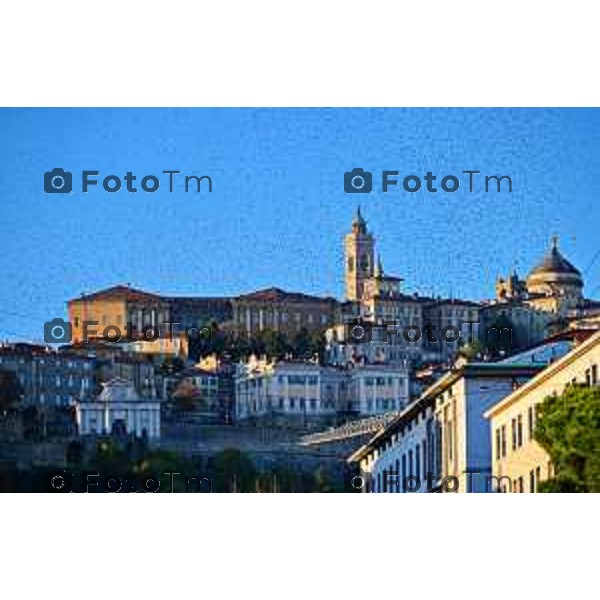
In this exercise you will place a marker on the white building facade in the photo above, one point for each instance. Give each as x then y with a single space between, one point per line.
308 389
441 442
119 409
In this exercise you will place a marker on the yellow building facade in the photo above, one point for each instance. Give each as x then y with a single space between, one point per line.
519 463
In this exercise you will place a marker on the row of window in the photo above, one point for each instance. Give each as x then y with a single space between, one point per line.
404 475
516 425
517 437
56 381
389 381
269 318
298 379
518 485
56 363
293 403
383 404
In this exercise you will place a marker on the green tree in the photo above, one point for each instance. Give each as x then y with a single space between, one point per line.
568 428
471 350
233 471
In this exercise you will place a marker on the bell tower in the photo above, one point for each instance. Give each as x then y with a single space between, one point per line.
359 247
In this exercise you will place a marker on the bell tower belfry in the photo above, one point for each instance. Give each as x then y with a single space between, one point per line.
359 251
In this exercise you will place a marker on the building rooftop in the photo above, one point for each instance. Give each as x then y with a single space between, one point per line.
554 263
124 292
578 351
274 294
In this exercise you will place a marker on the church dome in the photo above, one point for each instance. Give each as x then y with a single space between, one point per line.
554 269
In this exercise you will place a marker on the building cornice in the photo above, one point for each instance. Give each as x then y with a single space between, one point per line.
544 376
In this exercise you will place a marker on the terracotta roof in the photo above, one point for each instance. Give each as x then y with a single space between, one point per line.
274 294
119 292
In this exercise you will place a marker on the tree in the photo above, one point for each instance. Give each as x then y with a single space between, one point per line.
568 428
233 471
471 350
187 396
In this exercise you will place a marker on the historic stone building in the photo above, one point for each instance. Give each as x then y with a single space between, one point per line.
282 311
552 286
120 410
46 376
548 300
122 305
307 390
116 307
360 260
400 326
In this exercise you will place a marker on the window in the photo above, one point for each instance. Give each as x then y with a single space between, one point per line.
397 473
594 374
404 474
532 481
514 433
410 463
498 444
538 476
503 434
520 485
519 431
530 422
418 461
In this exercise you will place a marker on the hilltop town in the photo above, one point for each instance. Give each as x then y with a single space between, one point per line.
379 384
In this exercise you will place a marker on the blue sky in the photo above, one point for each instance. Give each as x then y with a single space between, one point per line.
278 211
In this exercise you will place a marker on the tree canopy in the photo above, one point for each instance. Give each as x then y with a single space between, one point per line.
568 428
